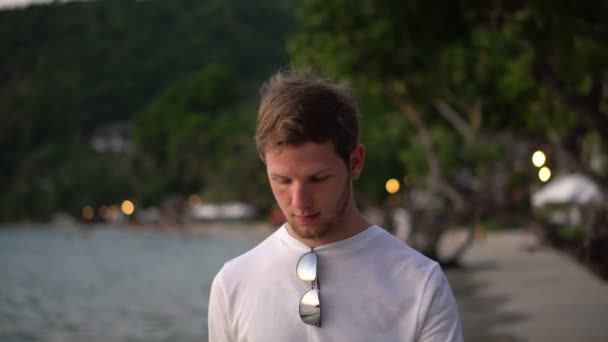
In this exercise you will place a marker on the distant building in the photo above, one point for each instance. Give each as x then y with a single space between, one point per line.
112 137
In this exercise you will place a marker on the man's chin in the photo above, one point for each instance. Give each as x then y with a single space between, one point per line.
309 231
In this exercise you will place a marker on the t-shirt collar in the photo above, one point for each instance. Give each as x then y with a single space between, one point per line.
346 244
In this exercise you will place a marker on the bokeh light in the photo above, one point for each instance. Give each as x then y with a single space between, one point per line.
392 186
88 213
539 158
127 207
544 174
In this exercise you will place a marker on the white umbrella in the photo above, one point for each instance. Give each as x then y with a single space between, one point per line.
573 188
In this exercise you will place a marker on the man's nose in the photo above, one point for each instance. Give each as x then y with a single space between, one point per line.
301 196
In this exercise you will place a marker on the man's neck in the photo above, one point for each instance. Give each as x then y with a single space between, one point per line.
350 226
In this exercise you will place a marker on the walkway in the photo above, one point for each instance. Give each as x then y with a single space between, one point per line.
506 292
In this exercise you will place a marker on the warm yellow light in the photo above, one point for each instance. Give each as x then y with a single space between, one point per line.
392 185
127 207
88 213
539 158
194 199
544 174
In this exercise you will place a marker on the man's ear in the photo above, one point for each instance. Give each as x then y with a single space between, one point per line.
357 159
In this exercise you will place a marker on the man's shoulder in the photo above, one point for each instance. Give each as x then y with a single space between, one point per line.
399 254
248 260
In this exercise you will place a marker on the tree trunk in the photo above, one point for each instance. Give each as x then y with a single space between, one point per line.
429 225
435 178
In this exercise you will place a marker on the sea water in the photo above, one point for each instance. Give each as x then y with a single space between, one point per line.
108 284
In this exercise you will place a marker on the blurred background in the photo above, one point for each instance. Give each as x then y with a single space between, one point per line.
129 172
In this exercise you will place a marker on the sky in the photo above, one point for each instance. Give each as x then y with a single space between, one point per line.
20 3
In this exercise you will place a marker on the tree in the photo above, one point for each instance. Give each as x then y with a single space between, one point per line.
68 68
467 76
196 136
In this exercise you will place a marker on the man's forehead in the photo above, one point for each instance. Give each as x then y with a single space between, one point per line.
308 158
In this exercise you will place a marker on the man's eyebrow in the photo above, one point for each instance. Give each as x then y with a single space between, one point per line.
320 173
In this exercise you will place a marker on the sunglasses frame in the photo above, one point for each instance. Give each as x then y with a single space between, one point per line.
311 300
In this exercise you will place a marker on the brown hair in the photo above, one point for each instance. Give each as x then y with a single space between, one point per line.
298 107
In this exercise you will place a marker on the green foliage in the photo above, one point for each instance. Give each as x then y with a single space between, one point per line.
534 71
196 134
383 132
185 73
174 121
570 232
67 68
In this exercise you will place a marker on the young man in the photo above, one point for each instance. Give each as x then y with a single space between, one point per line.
327 274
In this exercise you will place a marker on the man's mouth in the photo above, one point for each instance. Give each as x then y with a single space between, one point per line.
306 218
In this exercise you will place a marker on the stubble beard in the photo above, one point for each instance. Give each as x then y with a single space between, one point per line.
322 229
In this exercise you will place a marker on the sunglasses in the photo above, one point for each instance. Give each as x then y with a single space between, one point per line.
310 305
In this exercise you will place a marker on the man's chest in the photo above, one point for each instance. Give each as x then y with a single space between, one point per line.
351 310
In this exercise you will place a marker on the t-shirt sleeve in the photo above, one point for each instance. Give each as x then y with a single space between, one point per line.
438 315
218 327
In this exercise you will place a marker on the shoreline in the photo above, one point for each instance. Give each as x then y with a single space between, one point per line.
213 228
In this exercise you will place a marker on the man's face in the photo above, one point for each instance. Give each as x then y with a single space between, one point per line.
312 186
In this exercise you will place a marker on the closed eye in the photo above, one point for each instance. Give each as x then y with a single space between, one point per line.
319 179
281 180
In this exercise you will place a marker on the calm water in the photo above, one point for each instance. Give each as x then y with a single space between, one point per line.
110 285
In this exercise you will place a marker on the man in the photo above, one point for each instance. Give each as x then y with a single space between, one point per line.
327 274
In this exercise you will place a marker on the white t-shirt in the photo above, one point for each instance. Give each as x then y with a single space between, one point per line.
373 287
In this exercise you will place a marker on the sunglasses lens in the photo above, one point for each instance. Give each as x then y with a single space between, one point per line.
307 267
310 308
